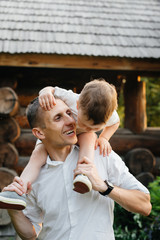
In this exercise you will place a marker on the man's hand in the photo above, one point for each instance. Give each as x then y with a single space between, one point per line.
46 98
88 168
104 146
17 186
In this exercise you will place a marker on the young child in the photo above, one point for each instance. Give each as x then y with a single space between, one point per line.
94 109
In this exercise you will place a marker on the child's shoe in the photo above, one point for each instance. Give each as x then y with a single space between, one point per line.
11 200
82 184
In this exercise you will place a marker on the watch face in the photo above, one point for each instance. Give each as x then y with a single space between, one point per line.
110 184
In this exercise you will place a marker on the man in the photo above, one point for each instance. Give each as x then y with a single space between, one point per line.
52 204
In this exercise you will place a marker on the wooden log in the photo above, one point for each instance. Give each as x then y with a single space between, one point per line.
26 95
140 160
22 162
156 169
122 143
7 232
25 143
4 217
150 65
152 131
8 155
6 177
22 121
145 178
9 104
135 105
9 130
8 81
21 118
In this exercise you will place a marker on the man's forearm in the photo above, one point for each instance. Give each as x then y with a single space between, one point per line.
132 200
22 225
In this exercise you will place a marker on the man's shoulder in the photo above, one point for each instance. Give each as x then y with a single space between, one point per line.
108 161
112 155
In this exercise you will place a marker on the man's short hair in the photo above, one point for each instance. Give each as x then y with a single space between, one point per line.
35 114
98 100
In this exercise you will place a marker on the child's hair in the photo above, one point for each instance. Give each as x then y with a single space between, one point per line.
98 100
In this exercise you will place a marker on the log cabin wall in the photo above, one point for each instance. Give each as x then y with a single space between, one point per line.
27 82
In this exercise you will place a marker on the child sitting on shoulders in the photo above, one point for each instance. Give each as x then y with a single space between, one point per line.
94 109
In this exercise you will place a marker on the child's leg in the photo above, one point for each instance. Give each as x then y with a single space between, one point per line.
11 200
86 143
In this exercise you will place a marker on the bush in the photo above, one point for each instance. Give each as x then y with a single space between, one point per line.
130 226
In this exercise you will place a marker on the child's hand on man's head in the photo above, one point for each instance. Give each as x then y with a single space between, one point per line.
46 98
104 146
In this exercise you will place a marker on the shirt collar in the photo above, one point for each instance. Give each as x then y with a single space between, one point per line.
50 162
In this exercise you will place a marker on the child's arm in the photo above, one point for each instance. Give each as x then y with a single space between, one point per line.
86 143
32 169
47 100
103 140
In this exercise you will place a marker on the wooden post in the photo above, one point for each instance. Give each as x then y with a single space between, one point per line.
135 105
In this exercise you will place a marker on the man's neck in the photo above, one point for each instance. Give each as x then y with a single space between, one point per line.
59 153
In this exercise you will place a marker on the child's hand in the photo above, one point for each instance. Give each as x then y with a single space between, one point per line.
16 186
46 98
105 147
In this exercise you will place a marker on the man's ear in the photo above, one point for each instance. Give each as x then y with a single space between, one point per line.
38 133
77 104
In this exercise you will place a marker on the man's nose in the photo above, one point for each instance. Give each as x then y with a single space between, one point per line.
70 120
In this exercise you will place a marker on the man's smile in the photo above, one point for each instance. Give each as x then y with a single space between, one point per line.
70 132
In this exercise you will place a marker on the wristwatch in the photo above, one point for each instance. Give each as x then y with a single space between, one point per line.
109 189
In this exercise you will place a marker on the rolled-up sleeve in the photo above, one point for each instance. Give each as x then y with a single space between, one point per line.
124 178
33 213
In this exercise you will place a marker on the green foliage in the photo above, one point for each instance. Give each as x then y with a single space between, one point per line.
152 101
130 226
120 109
155 196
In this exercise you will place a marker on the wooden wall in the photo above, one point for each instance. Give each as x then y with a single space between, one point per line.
26 82
138 145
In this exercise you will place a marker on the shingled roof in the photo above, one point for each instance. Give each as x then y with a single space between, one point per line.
109 28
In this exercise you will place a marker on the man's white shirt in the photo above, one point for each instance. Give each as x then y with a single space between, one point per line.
68 215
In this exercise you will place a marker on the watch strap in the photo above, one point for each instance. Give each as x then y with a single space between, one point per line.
109 189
